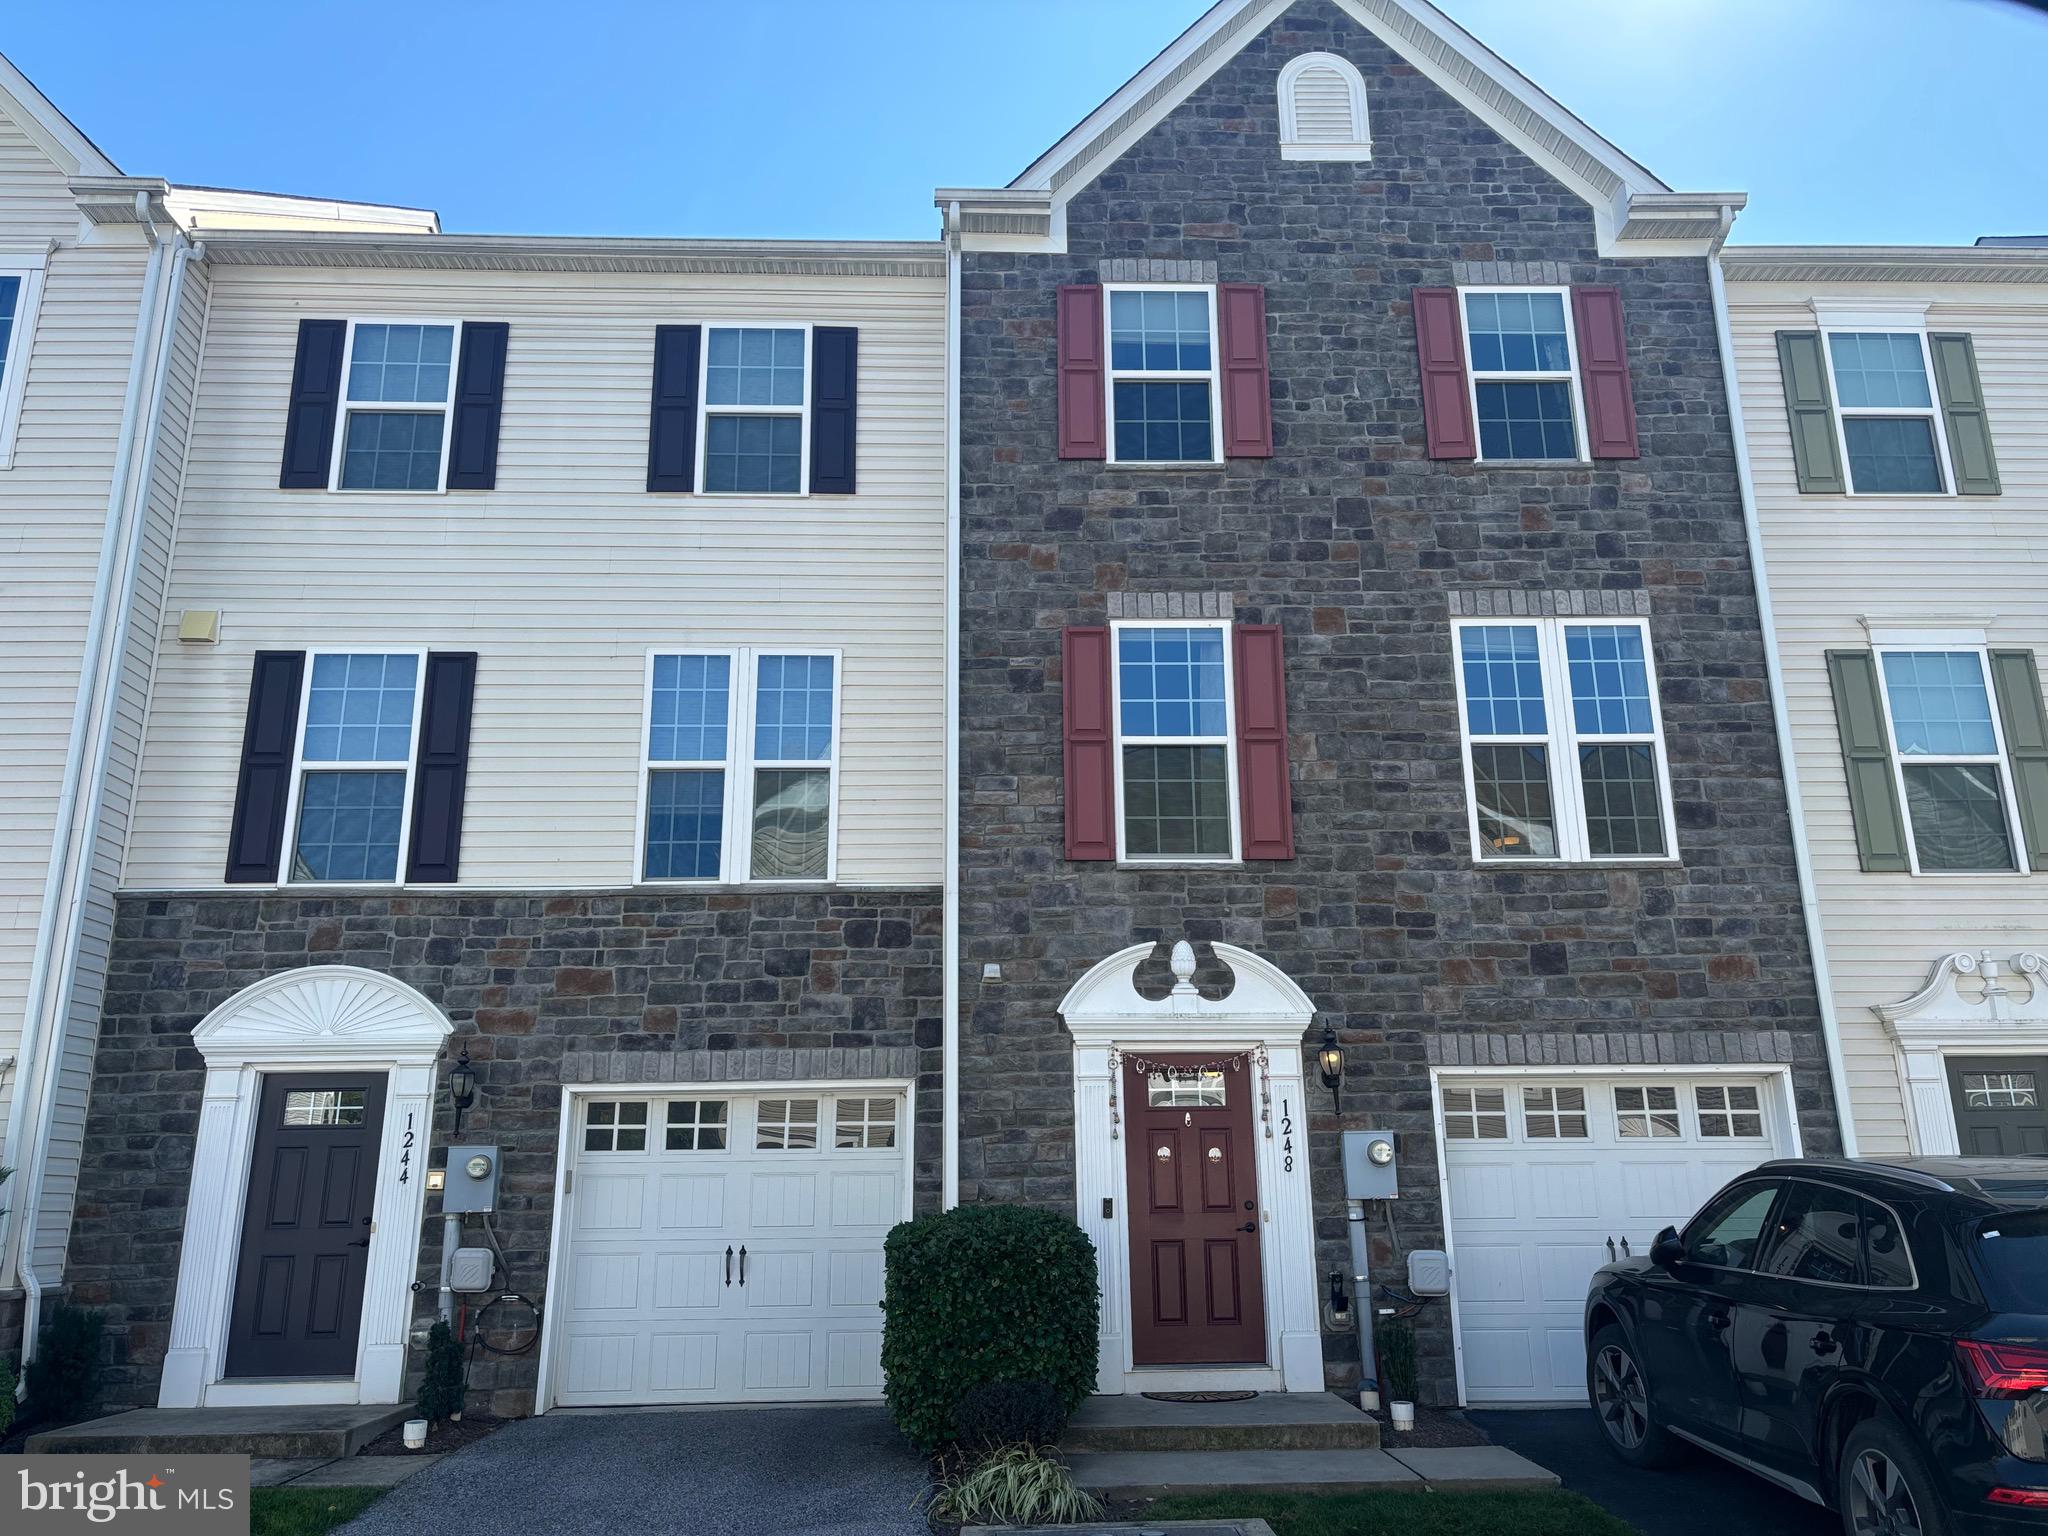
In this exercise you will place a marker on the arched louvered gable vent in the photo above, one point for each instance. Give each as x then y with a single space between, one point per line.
1322 110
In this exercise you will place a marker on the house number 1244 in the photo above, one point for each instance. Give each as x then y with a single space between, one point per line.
405 1156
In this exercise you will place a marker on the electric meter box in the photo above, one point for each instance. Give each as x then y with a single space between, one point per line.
472 1181
1429 1272
470 1270
1371 1171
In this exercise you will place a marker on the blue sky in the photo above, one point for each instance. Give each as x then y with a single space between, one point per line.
1854 121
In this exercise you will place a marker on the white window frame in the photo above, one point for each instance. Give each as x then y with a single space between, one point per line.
706 410
1292 146
1727 1091
300 767
1229 743
344 407
1912 323
2007 791
1568 376
736 853
28 266
1562 741
1112 375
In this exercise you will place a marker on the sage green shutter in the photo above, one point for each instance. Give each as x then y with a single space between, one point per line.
1867 755
2020 710
1809 403
1962 408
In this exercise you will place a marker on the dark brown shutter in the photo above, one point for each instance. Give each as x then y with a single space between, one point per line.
1603 373
270 734
1085 705
672 426
1082 432
1264 795
479 402
1247 386
316 397
1446 399
1867 760
441 768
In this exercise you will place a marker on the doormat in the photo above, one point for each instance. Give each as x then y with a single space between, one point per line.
1201 1397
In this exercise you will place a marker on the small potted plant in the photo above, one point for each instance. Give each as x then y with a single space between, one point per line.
1394 1341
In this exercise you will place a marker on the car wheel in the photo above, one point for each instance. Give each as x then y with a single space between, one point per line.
1883 1485
1620 1394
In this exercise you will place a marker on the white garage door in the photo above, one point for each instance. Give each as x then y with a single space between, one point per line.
727 1247
1545 1173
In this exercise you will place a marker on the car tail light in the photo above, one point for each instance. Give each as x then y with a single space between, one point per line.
2023 1498
2004 1370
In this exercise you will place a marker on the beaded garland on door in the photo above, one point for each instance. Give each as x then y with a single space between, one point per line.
1147 1067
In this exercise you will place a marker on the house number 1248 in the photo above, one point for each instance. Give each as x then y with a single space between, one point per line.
1286 1136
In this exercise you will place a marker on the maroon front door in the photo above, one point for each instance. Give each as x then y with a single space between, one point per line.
1194 1198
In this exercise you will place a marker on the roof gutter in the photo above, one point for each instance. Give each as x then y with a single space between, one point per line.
1802 856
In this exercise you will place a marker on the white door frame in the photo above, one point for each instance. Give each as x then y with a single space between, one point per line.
1940 1021
322 1016
573 1094
1783 1118
1264 1014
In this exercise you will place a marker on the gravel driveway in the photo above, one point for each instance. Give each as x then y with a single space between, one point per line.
705 1472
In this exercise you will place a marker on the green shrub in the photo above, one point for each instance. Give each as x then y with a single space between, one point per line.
441 1387
6 1397
66 1377
1016 1486
1393 1341
1004 1413
985 1293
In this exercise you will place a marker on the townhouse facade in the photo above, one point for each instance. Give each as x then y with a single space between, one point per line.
1896 396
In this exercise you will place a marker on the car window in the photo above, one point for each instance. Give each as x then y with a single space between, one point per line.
1726 1234
1887 1263
2011 1254
1817 1235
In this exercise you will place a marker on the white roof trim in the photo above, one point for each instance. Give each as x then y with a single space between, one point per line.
54 133
573 253
1885 264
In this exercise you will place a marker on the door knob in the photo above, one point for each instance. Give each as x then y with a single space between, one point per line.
361 1242
1250 1226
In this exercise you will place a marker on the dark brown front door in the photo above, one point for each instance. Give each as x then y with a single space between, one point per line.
2001 1105
1195 1292
306 1237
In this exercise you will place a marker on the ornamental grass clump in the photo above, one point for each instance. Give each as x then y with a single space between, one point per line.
1016 1486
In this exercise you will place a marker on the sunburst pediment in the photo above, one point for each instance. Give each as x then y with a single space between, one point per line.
323 1007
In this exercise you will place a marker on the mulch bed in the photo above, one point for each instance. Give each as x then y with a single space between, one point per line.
447 1435
1434 1428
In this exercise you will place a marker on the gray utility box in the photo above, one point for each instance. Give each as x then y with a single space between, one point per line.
472 1181
1365 1179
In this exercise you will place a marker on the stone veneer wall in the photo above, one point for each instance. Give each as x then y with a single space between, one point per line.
542 989
1361 548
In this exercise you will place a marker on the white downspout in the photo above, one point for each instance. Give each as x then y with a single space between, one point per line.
19 1216
949 945
1802 856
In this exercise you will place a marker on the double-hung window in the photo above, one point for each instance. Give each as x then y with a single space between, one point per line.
21 284
1176 757
742 766
1162 375
1524 371
352 783
755 438
398 388
1885 412
1948 753
1564 745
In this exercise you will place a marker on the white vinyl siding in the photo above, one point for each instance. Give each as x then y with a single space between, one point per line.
1925 562
567 576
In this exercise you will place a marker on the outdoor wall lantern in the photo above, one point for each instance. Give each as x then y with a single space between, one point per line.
461 1087
1331 1059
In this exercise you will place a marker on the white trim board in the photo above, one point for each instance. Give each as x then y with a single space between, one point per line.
1941 1020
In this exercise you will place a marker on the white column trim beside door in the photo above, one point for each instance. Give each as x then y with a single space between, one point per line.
1949 1017
1265 1012
325 1016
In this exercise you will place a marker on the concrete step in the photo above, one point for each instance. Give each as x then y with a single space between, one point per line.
1272 1421
324 1432
1155 1474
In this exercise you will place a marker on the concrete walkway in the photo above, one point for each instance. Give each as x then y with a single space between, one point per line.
823 1471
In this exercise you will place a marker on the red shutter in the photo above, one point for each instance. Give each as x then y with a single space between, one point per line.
1446 402
1091 744
1247 392
1264 796
1081 372
1603 373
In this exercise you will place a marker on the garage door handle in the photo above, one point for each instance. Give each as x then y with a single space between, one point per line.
1610 1250
743 1263
728 1264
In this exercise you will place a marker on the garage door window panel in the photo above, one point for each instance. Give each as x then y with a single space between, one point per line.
1476 1114
696 1125
786 1125
615 1125
1729 1112
863 1125
1554 1114
1646 1112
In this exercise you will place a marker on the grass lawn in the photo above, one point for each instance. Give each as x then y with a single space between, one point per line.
1550 1513
306 1511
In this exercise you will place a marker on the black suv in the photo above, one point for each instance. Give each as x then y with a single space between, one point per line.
1872 1336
